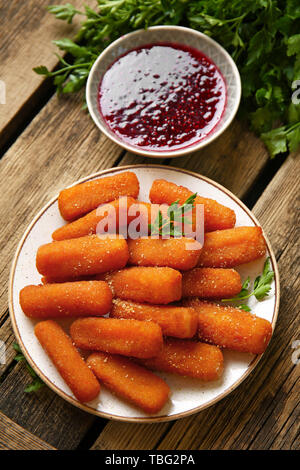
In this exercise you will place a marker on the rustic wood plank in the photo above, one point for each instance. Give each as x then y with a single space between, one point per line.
43 161
27 30
234 160
124 436
258 414
13 437
281 428
42 413
60 146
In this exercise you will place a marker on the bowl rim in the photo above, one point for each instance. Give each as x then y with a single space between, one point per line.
163 154
136 419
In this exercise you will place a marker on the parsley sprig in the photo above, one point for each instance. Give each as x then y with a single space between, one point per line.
36 383
176 219
261 287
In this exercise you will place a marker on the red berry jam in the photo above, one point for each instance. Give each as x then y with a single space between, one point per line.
162 96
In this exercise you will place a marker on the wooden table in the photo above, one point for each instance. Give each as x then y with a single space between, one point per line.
46 144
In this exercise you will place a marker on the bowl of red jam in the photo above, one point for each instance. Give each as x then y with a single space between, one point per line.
163 92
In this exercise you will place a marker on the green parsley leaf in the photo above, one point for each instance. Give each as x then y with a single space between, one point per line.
293 45
42 70
34 386
280 139
293 137
70 46
245 307
64 12
261 286
36 383
177 215
275 141
17 348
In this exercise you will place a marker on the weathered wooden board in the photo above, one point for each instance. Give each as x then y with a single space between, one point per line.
13 437
42 413
262 413
27 29
130 436
60 146
234 160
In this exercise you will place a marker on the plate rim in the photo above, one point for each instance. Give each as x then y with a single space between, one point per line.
150 419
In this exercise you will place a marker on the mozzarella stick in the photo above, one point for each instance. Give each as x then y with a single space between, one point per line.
178 253
216 216
189 358
140 218
126 337
146 284
230 327
67 360
180 322
89 224
130 381
69 299
48 280
229 248
211 283
69 259
77 200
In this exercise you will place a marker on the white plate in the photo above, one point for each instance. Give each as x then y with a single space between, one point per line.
188 395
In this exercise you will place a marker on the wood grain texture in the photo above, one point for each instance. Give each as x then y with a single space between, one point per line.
42 413
60 146
263 413
13 437
231 160
27 31
130 436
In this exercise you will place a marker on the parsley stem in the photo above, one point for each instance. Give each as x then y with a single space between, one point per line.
70 67
262 285
235 299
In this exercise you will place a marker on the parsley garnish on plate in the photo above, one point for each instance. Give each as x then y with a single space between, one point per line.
262 36
36 383
261 287
172 224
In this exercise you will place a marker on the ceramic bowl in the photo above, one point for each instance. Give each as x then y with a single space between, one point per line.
167 34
